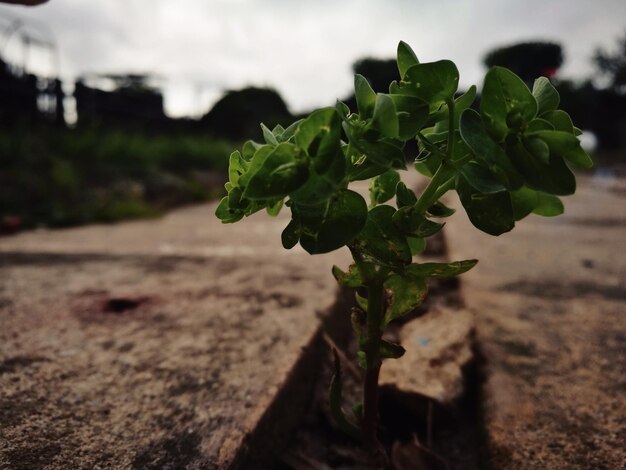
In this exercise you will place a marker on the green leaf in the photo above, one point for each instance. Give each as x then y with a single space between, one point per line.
236 200
433 82
566 145
274 209
463 102
320 187
504 95
361 301
237 166
553 177
278 130
405 294
560 120
320 136
389 350
226 214
408 220
290 235
385 118
524 200
382 153
289 133
490 213
404 196
486 150
416 244
275 174
539 124
268 136
380 241
406 58
383 187
439 209
342 109
350 279
429 164
546 95
548 205
412 114
365 170
427 228
537 147
249 149
481 179
365 96
333 224
441 270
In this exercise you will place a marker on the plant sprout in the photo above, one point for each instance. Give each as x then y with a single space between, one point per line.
507 160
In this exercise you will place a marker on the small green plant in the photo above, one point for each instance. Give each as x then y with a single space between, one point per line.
505 162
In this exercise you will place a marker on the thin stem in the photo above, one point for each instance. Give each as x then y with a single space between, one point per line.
373 363
444 188
451 122
427 198
441 181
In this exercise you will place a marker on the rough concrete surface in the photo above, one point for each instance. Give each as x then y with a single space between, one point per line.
549 302
155 344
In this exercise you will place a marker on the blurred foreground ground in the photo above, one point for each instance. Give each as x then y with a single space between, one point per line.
178 342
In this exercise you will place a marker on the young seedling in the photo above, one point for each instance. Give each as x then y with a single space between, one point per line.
505 162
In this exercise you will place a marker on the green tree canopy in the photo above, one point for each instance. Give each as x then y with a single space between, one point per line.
529 60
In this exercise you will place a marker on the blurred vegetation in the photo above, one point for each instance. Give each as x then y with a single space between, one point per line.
529 60
237 114
61 177
126 159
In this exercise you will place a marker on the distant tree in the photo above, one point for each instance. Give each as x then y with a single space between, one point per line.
237 115
379 72
613 66
529 60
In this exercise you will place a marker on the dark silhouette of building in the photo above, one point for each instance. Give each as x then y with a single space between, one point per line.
24 97
130 101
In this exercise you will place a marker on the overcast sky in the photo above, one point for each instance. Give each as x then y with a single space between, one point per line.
199 48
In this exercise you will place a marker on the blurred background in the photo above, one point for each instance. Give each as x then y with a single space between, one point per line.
118 109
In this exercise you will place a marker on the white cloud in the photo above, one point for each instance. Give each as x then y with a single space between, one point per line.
304 49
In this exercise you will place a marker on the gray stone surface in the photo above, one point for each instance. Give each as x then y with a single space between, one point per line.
549 302
156 344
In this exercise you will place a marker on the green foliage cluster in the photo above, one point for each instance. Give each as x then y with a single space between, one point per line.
505 162
67 177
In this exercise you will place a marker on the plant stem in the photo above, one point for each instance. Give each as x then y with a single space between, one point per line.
373 362
451 122
443 179
427 198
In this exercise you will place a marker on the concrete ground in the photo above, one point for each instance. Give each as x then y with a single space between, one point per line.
184 343
156 344
549 303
